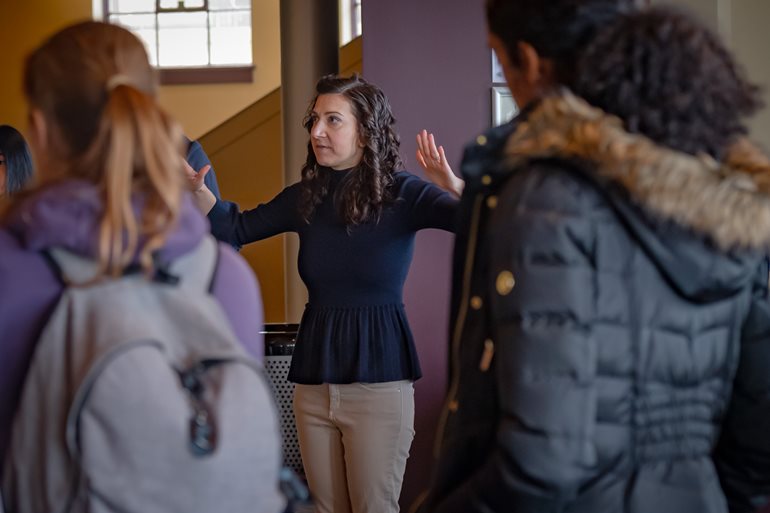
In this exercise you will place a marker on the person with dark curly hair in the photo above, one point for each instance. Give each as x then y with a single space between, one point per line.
356 214
15 161
612 324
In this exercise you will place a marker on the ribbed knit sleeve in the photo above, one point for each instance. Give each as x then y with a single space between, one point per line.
428 205
279 215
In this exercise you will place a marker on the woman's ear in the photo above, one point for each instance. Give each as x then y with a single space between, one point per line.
524 70
38 131
39 140
537 70
530 63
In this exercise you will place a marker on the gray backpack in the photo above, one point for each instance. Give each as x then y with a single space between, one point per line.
139 399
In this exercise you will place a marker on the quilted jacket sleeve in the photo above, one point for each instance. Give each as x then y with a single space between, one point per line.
543 279
743 453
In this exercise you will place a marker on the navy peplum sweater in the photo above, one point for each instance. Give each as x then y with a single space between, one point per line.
354 328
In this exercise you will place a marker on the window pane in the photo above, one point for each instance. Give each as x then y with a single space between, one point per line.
218 5
231 38
357 29
123 6
169 4
143 26
183 39
193 4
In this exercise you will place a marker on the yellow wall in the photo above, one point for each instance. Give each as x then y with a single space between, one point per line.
26 23
202 107
351 57
247 152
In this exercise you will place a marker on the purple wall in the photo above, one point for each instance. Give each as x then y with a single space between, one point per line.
430 58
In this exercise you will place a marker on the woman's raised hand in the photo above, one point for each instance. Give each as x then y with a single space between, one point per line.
204 198
195 179
433 161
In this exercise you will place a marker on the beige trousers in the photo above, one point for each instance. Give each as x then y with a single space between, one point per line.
354 440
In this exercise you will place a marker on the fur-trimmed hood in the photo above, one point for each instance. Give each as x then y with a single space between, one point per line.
727 205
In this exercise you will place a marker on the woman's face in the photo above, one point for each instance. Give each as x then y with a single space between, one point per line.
334 133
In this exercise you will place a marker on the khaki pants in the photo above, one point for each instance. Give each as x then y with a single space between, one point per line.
354 441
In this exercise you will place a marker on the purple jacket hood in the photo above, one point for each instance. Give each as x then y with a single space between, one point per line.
67 215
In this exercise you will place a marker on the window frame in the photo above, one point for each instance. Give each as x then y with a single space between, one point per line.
169 75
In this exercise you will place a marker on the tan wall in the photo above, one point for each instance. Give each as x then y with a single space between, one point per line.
26 23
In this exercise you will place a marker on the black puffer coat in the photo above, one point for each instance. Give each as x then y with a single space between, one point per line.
611 324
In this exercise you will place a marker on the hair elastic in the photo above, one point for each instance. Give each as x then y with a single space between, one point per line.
118 80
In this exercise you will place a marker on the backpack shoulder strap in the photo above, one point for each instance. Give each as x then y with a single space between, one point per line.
195 270
71 269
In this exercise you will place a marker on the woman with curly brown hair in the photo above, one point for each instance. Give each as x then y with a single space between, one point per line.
356 215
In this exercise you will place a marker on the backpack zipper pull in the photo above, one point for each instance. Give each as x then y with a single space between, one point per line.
202 429
202 441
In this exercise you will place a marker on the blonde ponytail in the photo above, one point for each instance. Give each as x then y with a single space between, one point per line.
141 158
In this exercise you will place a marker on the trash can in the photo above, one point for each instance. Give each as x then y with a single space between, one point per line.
279 347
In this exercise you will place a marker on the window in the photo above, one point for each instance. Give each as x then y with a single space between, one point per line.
350 20
190 40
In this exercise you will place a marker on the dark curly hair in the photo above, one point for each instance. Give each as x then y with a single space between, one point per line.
669 78
367 188
557 29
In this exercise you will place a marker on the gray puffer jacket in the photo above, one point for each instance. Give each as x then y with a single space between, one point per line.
611 351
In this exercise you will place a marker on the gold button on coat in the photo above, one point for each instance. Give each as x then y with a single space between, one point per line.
453 406
481 140
486 180
505 283
492 201
476 303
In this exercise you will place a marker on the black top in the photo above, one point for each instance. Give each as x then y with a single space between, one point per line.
354 328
